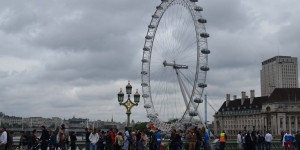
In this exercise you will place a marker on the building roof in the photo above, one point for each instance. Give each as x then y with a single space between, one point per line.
285 95
278 95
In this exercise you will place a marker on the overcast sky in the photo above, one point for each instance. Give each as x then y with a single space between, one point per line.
68 58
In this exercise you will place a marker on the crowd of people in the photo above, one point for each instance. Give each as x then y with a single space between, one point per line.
193 138
113 139
257 141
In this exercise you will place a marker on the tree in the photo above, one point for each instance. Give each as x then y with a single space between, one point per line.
142 126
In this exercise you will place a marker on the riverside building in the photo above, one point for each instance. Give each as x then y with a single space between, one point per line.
278 112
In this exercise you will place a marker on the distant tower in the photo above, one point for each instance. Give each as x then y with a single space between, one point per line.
112 118
278 72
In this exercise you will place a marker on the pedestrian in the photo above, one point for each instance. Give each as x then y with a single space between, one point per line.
87 140
268 140
158 139
191 139
287 140
44 139
33 141
261 141
223 138
53 140
152 140
172 142
254 140
100 144
73 140
62 138
297 140
206 139
199 138
138 140
177 140
249 145
239 141
108 142
3 138
119 142
23 142
126 139
93 139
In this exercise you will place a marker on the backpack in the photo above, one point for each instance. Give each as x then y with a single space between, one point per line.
120 142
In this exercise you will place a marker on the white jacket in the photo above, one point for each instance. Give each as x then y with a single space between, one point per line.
3 138
94 138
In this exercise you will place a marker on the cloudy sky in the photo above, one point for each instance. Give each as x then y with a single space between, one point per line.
68 58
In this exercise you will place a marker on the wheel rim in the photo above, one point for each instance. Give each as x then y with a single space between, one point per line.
174 63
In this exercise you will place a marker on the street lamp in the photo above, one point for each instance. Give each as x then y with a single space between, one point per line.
128 104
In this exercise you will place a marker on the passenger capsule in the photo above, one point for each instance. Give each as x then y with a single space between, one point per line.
194 0
204 35
202 85
204 68
205 51
198 100
198 8
147 106
202 20
148 37
146 49
144 72
144 60
151 26
193 113
159 7
155 16
144 84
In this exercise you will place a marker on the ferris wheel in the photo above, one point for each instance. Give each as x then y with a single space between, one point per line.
175 64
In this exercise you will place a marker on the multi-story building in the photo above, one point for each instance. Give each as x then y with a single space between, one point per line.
278 112
279 72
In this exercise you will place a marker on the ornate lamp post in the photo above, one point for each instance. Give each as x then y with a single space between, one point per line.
128 104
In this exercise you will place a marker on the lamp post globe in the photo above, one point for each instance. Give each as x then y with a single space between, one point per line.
136 97
120 96
128 88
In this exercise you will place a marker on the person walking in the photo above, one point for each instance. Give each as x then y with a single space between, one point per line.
3 138
239 141
268 140
158 138
119 142
44 139
73 140
223 138
261 141
23 142
94 139
287 140
126 139
297 140
192 139
87 140
206 139
199 138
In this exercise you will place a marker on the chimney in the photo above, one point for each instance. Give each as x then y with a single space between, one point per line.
234 97
252 95
227 99
243 97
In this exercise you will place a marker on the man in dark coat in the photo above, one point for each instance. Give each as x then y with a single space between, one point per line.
44 139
